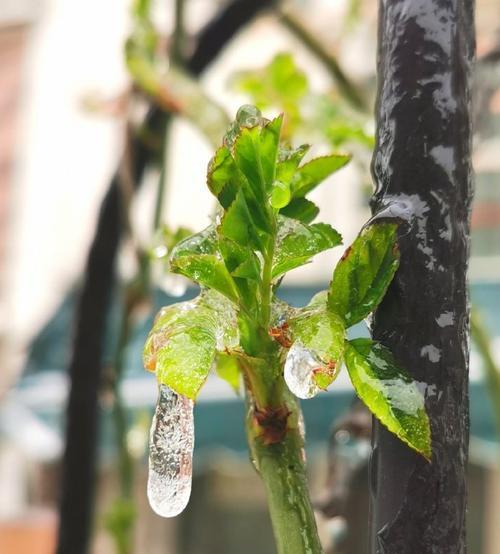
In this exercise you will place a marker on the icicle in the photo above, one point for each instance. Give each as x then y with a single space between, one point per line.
300 367
171 453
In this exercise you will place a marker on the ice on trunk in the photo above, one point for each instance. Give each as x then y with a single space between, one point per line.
171 453
300 367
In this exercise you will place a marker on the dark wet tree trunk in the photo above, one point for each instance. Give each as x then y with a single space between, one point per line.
422 172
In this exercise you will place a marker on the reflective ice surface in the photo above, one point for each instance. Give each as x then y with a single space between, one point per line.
170 453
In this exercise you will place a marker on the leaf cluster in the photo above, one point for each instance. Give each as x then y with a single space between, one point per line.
264 228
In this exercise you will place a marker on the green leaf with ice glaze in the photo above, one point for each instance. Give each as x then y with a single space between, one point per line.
389 392
364 272
297 243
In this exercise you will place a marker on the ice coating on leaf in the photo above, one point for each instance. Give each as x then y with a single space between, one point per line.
281 312
204 242
389 392
158 335
297 243
170 453
227 333
300 368
184 340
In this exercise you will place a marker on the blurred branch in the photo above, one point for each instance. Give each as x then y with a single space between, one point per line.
346 86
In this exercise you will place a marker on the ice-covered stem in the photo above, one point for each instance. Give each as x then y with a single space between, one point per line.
276 449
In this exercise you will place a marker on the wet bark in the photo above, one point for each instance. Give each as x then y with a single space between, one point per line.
79 462
422 172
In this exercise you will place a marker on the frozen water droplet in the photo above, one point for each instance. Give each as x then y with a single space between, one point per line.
248 116
300 366
171 444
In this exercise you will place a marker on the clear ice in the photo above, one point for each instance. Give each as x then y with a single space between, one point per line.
300 365
171 443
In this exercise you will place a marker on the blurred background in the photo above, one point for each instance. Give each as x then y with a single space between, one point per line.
72 99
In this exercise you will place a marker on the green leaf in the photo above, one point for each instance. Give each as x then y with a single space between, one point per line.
301 209
240 261
280 83
198 258
207 270
288 162
311 174
362 276
181 346
185 337
255 153
237 224
286 78
298 243
268 149
227 368
204 242
244 267
247 159
389 392
223 178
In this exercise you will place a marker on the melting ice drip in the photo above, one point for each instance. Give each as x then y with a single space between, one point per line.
171 444
300 366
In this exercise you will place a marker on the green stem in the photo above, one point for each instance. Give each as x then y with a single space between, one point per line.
482 341
266 285
282 469
347 87
274 438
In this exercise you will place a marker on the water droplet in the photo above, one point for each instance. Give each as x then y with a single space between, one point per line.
280 195
300 366
171 453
